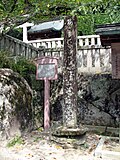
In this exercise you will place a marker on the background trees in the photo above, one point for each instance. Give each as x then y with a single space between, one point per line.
89 12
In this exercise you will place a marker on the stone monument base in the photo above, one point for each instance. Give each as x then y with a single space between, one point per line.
64 131
69 137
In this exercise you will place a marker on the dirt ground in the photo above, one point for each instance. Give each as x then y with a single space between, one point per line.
39 146
111 145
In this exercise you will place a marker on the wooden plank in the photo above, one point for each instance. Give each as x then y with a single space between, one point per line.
115 60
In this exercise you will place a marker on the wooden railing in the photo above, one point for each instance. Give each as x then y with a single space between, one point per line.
91 56
18 48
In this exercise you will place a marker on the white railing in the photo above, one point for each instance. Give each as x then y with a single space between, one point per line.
48 43
83 41
18 48
91 56
89 41
94 60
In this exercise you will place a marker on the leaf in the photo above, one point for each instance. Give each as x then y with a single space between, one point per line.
1 7
29 155
58 147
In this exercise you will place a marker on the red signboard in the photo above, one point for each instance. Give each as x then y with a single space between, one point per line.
46 68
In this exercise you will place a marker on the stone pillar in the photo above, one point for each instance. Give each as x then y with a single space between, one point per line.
70 72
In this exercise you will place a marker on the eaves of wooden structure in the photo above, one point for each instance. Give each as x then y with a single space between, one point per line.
110 36
109 33
46 30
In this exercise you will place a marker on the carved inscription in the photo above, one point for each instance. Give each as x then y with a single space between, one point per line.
115 60
70 73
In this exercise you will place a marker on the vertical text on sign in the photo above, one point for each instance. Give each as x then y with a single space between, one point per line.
115 60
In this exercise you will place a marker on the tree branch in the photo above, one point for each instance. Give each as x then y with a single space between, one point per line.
13 6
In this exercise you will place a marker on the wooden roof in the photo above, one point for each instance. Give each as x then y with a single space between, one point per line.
109 33
47 26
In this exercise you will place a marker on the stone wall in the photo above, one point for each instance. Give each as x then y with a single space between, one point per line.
98 100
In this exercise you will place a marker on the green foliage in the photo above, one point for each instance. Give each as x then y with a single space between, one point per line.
37 139
24 67
89 12
17 33
85 145
95 12
4 61
16 140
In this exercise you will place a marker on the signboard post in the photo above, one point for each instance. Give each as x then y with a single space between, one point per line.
46 70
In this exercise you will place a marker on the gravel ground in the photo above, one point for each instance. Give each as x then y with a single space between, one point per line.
38 146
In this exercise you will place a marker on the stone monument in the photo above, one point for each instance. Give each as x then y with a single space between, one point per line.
70 127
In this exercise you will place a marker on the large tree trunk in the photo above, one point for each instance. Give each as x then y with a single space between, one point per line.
70 72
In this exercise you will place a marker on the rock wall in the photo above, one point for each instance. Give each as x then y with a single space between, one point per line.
15 104
98 100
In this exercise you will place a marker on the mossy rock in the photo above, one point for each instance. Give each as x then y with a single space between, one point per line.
15 104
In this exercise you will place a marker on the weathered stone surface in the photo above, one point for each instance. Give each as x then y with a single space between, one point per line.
99 100
15 104
67 143
64 131
70 72
56 99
